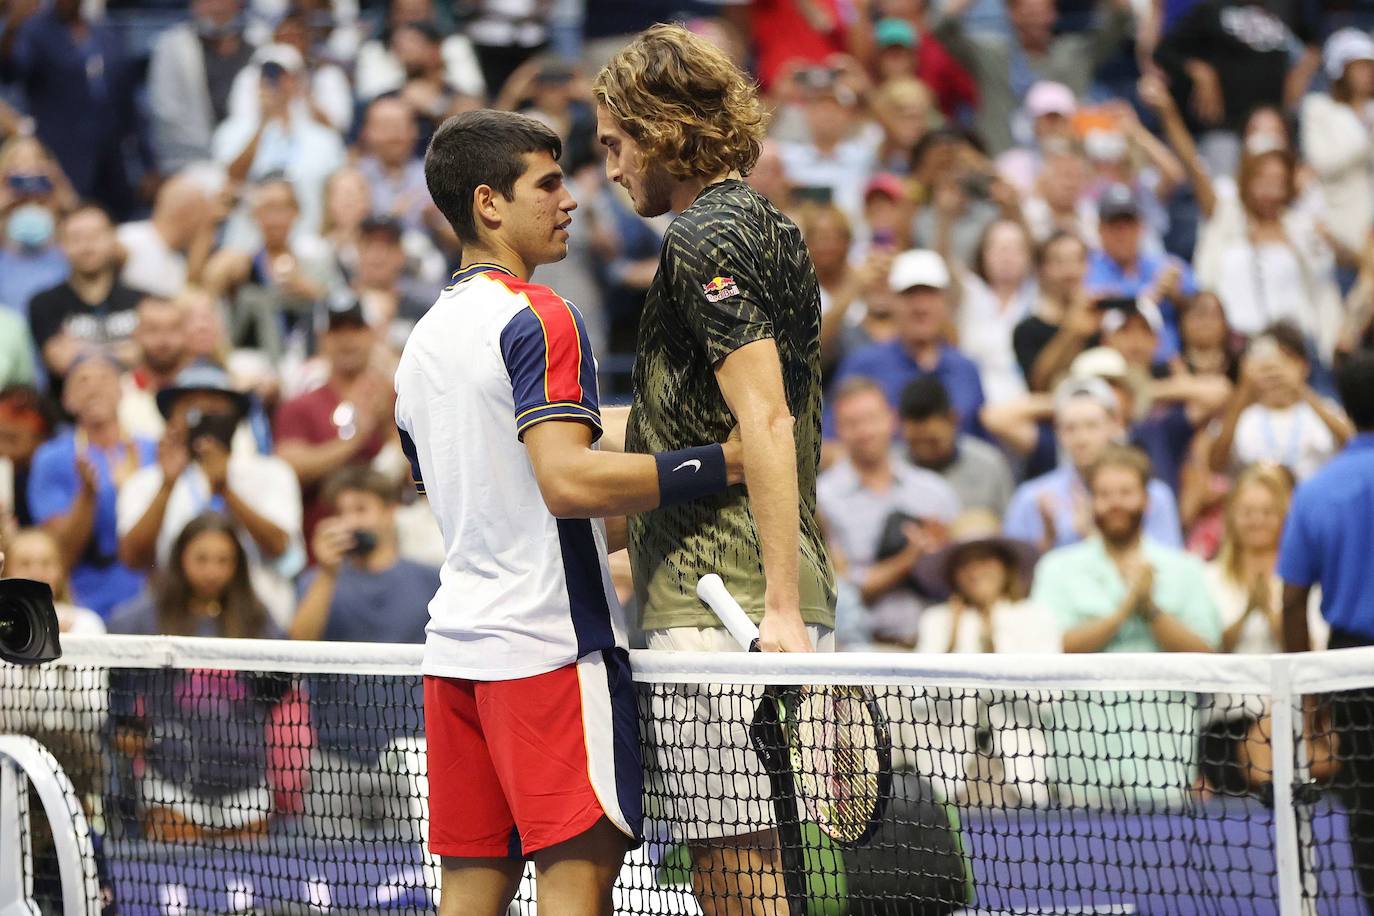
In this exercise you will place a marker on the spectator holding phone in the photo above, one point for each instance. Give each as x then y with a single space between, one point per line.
199 470
361 590
1274 415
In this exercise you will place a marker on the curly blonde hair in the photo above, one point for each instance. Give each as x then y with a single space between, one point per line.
683 101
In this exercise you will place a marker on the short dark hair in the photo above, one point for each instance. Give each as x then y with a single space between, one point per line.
1042 252
1355 382
483 147
360 479
1120 456
925 398
1289 339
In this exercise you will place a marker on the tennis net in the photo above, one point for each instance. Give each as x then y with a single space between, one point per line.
218 776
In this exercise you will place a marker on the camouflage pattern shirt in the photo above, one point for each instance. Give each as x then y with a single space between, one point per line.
733 271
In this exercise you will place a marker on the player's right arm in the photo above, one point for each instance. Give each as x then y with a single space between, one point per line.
578 481
558 417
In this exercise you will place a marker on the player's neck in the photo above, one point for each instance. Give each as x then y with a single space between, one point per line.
685 192
496 254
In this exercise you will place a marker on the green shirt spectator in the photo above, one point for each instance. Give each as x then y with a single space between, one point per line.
1121 592
16 349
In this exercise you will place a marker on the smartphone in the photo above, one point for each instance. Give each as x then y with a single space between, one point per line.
813 194
272 72
217 426
1116 304
364 542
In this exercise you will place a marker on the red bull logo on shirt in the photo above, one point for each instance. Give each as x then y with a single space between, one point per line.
720 288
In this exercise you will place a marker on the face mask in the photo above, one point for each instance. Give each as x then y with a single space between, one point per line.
213 31
30 226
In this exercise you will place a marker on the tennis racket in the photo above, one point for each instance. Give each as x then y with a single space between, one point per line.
827 747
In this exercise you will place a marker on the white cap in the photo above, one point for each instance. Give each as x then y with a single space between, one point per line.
1098 362
1343 48
1094 389
1106 145
1047 97
283 55
917 267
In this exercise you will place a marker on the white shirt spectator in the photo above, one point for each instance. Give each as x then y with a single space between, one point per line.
379 72
1017 626
329 89
265 479
305 151
1294 437
845 171
151 265
985 330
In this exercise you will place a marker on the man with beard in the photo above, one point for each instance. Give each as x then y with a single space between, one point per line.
730 334
1121 591
163 352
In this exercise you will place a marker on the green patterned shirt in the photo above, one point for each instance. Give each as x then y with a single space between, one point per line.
733 270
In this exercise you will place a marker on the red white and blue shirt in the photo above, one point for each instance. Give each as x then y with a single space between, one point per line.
521 592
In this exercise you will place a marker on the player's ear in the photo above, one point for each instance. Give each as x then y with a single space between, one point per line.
484 207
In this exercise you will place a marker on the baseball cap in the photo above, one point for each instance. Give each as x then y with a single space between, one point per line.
1115 318
1105 145
1100 363
282 55
1047 97
382 225
344 311
894 33
1117 202
1343 48
917 267
887 184
1092 388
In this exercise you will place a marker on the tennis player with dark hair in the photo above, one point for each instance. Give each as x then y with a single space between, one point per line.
730 333
530 713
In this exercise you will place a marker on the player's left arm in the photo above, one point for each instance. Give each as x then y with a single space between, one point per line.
750 379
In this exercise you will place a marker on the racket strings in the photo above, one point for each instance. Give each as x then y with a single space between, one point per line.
834 739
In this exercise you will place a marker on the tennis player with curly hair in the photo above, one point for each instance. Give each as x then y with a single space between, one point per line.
730 334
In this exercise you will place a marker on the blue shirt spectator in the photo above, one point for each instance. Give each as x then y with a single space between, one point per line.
1328 539
74 485
29 266
1086 423
1121 267
921 282
361 590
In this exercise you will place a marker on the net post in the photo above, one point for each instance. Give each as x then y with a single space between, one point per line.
1288 858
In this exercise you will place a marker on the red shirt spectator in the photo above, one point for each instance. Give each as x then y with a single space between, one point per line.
788 31
903 50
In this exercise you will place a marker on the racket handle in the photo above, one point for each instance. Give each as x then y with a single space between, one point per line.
711 589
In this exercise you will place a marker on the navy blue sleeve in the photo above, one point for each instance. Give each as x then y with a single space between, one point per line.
552 371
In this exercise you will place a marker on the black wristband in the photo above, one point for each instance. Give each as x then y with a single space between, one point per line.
690 473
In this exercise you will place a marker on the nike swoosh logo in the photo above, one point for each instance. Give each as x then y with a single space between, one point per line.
693 463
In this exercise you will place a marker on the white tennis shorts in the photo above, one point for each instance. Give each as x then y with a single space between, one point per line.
713 783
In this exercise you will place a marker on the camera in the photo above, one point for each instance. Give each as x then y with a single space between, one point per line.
272 72
364 542
28 623
217 426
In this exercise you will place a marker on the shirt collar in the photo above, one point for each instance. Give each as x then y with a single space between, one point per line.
472 270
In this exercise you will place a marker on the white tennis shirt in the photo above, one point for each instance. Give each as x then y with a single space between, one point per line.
520 592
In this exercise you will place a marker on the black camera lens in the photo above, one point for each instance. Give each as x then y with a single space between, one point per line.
28 622
364 542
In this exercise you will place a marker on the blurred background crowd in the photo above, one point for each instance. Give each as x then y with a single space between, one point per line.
1043 230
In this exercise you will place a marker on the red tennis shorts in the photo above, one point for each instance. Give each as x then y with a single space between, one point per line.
521 765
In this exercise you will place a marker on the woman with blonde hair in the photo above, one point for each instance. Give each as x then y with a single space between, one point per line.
1244 584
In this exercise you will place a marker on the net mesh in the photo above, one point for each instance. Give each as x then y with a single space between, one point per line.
244 786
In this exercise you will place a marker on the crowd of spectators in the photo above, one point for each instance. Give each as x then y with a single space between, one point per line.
1089 274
